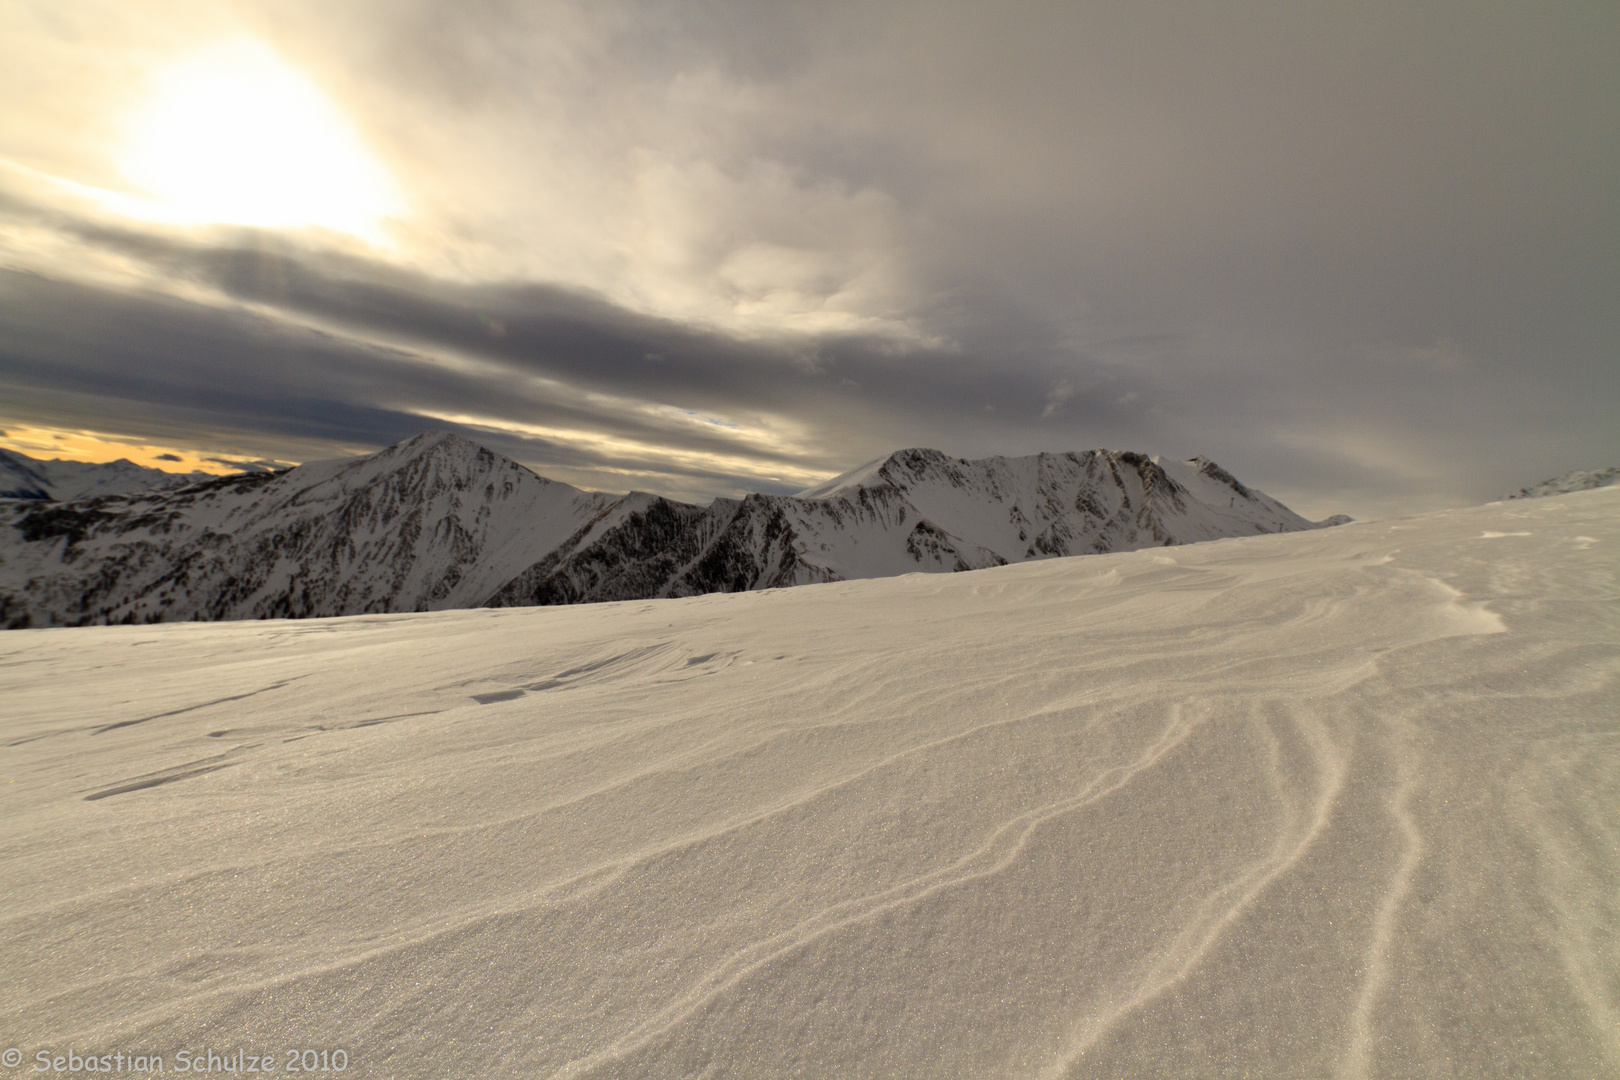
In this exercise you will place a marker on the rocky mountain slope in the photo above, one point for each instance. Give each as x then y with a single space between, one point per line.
440 522
24 477
433 522
1577 480
916 510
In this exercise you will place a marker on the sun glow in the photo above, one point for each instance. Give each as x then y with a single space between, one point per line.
234 136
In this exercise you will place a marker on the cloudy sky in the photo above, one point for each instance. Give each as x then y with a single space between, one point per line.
1366 256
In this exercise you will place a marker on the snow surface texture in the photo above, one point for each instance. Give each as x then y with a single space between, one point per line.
1334 803
23 477
439 522
1577 480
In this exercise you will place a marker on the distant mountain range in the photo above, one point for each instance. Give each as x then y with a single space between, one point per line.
440 522
23 477
1578 480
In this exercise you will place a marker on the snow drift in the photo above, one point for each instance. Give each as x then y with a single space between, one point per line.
1331 803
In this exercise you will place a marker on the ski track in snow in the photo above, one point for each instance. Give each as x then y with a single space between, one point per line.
1337 803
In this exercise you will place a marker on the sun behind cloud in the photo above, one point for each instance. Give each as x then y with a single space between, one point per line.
234 135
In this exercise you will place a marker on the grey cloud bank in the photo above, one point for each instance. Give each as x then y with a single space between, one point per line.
1362 257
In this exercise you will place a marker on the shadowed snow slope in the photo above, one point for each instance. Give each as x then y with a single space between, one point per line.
1334 803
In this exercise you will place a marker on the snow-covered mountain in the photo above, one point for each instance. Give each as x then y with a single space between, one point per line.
23 477
1577 480
439 522
434 522
915 510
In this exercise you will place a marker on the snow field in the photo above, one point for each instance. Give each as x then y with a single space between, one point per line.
1332 803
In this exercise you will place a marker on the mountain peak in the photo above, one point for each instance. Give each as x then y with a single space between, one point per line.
1208 468
437 442
905 469
431 522
438 459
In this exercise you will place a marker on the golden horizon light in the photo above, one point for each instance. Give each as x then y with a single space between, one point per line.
100 447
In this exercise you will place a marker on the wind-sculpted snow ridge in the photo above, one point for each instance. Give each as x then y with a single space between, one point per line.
1576 480
23 477
433 522
916 510
1338 803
